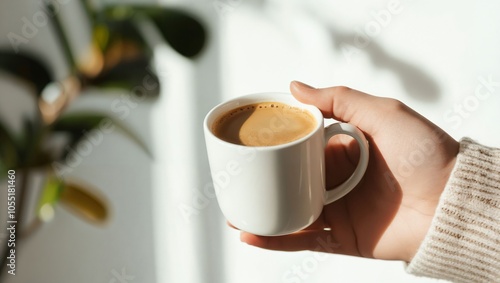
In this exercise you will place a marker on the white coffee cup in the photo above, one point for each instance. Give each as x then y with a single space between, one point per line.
280 189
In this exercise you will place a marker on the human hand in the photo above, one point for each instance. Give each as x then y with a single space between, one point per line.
388 214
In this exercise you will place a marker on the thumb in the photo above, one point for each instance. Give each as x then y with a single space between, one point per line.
340 103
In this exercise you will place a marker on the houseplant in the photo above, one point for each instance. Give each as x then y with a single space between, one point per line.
120 58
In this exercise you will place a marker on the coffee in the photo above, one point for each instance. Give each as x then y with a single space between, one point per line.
264 124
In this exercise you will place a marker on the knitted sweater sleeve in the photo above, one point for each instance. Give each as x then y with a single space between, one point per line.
463 242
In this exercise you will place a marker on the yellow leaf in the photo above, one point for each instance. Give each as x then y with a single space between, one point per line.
84 204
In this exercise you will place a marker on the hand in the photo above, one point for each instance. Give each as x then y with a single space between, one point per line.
388 214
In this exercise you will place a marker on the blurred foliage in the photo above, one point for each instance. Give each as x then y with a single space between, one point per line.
27 68
120 57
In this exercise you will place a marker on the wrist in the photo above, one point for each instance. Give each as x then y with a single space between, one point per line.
428 208
459 243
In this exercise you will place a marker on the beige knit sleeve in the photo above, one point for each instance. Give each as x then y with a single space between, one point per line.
463 242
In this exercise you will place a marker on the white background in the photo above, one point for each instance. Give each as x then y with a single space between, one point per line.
431 55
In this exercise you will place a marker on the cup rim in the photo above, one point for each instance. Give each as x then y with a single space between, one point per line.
243 100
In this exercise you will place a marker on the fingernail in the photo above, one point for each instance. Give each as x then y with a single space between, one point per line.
301 84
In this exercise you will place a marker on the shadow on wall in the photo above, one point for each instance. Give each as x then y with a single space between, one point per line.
416 82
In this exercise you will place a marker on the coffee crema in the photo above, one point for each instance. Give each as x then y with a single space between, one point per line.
264 124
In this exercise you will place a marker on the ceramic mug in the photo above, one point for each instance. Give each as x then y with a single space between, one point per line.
280 189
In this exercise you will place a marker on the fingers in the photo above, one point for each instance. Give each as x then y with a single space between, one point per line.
341 103
341 158
318 240
313 238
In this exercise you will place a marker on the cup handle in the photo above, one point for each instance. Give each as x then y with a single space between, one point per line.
344 188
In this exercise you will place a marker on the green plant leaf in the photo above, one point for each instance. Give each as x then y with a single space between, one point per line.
51 192
26 67
118 31
182 31
126 58
133 75
29 142
76 198
79 125
76 126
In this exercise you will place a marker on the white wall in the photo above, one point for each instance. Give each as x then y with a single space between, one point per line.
431 55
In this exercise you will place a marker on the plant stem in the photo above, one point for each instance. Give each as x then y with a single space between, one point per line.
63 40
33 148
